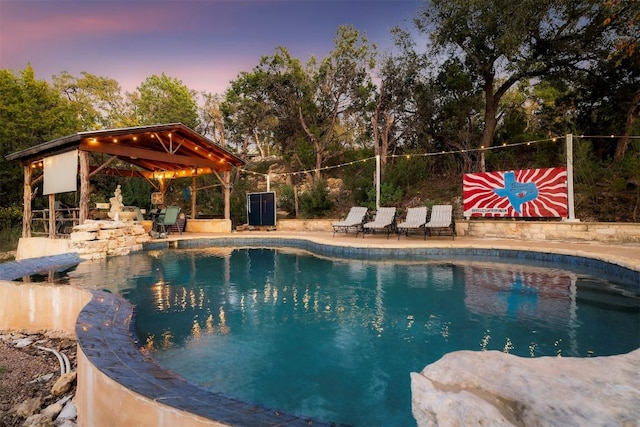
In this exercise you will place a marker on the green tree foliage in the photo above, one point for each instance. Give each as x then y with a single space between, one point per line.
97 100
162 99
404 102
31 112
312 111
503 42
339 91
248 115
212 119
458 118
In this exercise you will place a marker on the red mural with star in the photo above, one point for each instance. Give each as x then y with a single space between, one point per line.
530 193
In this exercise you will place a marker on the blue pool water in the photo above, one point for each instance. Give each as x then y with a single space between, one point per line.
336 339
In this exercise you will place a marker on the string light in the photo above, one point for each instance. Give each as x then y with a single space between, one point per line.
438 153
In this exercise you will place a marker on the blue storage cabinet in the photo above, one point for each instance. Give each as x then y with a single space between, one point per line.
261 209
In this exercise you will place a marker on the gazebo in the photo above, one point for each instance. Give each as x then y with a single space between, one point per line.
157 153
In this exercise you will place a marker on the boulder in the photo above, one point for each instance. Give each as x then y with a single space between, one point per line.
499 389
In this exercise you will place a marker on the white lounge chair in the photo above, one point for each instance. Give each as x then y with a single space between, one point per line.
354 220
441 218
415 220
385 220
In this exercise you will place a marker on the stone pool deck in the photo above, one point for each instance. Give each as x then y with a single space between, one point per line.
112 371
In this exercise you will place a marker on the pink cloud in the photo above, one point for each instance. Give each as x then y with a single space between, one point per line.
25 25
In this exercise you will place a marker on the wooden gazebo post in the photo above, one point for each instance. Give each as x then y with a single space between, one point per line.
194 190
52 216
26 211
84 185
226 185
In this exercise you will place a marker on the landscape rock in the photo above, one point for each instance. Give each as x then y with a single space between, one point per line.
52 410
69 412
64 383
88 225
29 407
82 236
38 420
499 389
23 342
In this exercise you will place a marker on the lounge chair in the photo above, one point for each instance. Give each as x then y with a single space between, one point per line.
441 218
415 220
354 220
167 218
384 220
138 212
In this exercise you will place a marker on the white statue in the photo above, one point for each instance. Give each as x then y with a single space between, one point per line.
116 203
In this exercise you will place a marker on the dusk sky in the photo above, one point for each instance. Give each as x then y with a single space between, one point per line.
203 43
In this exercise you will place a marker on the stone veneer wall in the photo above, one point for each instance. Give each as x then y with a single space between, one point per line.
605 232
100 238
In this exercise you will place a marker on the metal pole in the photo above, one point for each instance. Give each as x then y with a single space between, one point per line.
268 183
570 202
377 181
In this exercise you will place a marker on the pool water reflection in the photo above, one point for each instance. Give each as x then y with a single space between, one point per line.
336 339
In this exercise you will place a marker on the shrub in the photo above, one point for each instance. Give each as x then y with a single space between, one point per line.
287 198
10 217
389 196
316 201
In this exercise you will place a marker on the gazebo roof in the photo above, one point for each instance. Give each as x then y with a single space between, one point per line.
167 150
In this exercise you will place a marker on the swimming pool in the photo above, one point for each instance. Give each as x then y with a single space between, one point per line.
346 313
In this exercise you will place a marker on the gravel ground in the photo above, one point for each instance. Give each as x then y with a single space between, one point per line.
24 371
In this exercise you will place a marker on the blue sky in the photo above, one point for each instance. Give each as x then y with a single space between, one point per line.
204 43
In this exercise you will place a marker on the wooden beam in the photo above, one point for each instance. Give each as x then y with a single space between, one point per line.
95 170
140 153
119 172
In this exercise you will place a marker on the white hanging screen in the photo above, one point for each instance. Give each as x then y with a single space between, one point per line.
61 173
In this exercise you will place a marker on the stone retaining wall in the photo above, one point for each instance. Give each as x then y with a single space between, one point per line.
208 226
98 238
605 232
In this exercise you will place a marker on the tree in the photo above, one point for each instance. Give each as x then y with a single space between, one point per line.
341 89
316 109
249 117
458 112
31 112
212 119
98 100
404 102
162 99
503 42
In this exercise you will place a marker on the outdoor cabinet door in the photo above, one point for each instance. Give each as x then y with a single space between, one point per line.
261 209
